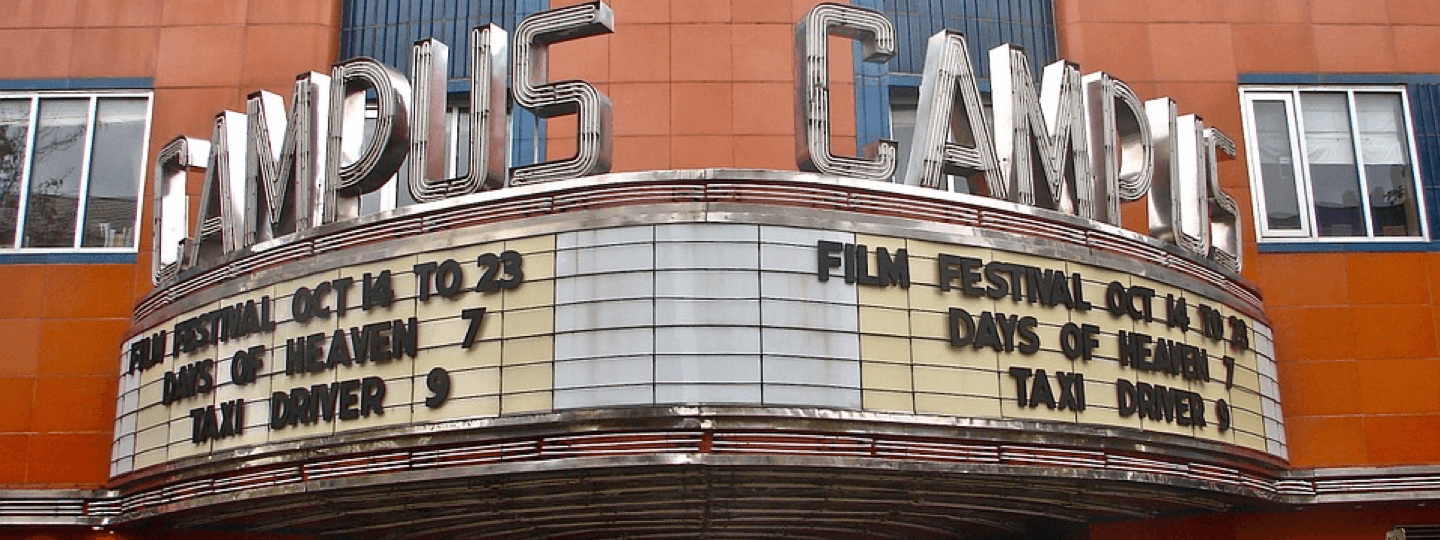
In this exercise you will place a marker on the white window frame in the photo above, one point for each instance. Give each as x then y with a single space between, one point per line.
1290 96
16 243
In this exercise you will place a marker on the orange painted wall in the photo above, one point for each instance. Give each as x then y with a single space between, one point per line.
63 324
700 84
1356 332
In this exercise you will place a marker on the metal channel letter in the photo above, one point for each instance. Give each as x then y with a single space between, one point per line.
1190 213
1179 212
285 158
547 100
218 227
812 89
487 117
355 166
1042 143
1161 114
172 208
939 117
1122 151
1225 229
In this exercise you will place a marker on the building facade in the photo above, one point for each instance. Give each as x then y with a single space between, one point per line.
630 310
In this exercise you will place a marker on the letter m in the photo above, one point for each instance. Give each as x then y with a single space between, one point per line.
286 158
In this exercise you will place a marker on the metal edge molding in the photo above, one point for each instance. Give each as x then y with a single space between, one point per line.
738 195
657 438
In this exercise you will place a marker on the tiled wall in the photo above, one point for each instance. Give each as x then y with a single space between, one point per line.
700 84
1355 333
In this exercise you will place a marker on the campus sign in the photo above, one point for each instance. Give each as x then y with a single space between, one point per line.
1079 145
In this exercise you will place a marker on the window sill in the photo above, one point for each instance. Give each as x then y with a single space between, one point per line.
69 257
1374 246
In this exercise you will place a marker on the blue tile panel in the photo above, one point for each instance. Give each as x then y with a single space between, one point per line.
386 29
66 257
1029 24
1424 90
117 83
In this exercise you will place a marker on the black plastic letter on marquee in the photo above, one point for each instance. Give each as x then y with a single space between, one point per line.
280 412
438 382
1070 341
1020 374
423 275
962 327
1040 391
377 290
1115 298
301 306
510 262
372 396
1029 340
489 272
1125 398
349 399
949 270
475 316
1222 415
448 278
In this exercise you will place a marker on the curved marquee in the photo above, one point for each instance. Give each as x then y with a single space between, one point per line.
682 324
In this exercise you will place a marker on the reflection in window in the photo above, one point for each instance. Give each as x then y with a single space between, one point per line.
14 136
70 168
1277 169
1332 163
55 173
110 202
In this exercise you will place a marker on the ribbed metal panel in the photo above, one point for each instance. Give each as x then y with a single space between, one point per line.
987 23
385 30
1425 108
1029 24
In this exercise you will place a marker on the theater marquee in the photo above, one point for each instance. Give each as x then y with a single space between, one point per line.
510 300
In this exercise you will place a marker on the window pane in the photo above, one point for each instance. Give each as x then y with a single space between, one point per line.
902 131
1334 178
1385 151
1277 165
55 180
114 173
14 127
462 142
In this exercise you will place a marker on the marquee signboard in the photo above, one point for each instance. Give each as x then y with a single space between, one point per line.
284 318
695 302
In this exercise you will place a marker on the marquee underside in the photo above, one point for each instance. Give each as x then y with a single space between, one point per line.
709 473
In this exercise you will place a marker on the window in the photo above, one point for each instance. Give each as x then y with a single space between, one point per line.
70 167
1332 164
